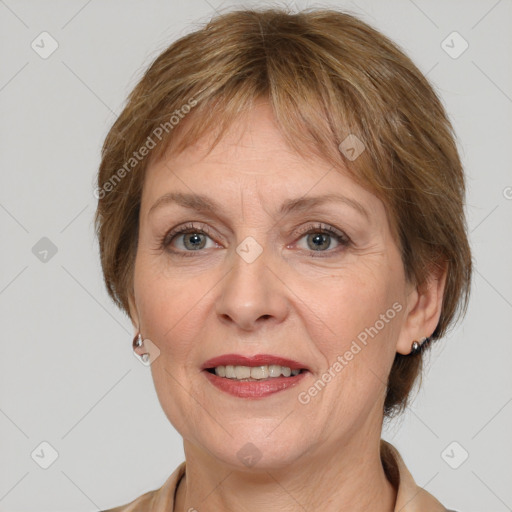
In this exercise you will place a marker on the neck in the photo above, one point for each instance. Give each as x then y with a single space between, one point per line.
351 479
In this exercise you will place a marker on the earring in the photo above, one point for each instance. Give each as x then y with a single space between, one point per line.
418 345
137 343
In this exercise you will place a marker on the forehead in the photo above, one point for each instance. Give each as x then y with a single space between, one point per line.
252 154
253 135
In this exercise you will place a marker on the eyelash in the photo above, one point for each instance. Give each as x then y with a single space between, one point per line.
189 228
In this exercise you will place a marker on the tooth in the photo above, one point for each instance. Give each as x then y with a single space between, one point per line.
274 370
286 371
242 372
259 372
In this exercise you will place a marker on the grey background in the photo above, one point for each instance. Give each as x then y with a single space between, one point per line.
67 372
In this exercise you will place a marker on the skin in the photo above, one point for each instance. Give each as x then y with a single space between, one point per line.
323 455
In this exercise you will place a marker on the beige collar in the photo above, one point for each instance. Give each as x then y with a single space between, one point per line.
410 497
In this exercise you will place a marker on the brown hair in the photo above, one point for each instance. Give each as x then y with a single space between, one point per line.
326 75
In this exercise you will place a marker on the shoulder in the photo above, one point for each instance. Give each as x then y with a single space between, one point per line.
410 496
143 502
158 500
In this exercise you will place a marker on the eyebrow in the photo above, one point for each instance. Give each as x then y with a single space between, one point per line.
202 203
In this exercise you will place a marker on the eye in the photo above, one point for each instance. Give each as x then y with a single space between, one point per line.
193 240
188 238
319 238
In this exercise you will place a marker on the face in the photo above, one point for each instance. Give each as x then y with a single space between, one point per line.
321 284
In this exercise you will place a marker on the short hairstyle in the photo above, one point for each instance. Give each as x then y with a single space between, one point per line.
327 75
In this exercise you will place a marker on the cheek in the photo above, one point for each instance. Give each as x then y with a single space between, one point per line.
354 304
167 296
169 309
357 325
359 320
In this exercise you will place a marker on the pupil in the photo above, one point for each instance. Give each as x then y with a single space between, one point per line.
196 241
319 241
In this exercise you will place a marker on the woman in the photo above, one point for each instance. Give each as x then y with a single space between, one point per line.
281 215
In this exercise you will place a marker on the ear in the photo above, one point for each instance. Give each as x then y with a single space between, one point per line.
423 309
134 313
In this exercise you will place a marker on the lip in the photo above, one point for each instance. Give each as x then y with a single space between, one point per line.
254 389
256 360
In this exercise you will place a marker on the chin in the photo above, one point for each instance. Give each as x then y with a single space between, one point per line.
252 448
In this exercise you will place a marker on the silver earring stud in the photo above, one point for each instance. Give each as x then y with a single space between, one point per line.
137 341
417 345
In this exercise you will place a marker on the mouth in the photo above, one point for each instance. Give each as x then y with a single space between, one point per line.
253 377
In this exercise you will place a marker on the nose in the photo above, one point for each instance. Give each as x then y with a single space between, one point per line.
252 294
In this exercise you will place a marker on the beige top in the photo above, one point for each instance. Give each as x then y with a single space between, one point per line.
410 497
